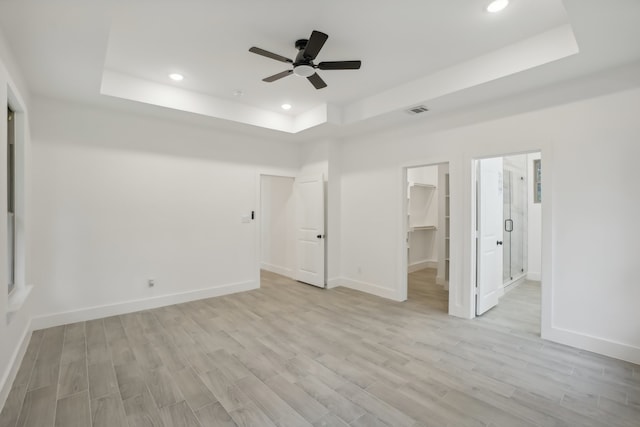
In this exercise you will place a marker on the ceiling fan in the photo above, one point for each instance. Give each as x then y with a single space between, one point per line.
303 65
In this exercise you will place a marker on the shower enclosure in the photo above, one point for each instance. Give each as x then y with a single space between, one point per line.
515 218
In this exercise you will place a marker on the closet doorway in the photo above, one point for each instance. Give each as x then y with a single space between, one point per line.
428 228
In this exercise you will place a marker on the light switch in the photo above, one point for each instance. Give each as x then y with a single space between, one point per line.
245 219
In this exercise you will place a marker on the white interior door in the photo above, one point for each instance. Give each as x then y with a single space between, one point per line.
489 251
310 236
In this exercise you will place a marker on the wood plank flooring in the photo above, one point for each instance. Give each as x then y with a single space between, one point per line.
289 354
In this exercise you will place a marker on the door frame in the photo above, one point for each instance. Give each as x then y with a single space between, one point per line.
545 247
403 260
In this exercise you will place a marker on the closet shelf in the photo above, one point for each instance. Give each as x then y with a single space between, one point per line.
423 227
417 184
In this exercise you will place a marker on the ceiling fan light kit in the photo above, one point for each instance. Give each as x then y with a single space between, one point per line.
303 65
303 70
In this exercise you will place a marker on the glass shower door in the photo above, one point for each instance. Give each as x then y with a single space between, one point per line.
515 217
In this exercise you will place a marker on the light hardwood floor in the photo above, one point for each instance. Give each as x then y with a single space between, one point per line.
289 354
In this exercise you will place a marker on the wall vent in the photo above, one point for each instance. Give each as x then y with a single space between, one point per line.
417 109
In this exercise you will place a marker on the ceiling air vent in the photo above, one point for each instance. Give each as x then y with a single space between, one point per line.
417 109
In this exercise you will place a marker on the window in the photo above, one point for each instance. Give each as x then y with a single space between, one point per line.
537 181
11 199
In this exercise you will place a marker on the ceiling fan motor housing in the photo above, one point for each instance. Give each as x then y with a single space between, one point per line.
301 44
303 66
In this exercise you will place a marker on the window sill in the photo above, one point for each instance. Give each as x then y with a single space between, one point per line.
17 298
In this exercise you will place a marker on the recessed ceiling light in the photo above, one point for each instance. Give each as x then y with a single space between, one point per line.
286 106
497 5
175 76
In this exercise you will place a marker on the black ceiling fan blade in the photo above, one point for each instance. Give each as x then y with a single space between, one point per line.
277 76
315 43
316 81
271 55
340 65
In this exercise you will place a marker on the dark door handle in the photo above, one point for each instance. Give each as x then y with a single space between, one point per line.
499 242
319 236
508 225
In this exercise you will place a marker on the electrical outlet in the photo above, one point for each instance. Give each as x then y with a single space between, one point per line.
152 283
359 270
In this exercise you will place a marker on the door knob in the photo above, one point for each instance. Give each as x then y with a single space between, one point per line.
499 242
319 236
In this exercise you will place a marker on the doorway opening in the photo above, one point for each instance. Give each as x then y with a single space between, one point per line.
292 228
508 240
428 228
277 219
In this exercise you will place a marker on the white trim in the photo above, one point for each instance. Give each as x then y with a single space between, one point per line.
421 265
534 276
370 288
444 283
512 284
18 297
283 271
334 282
594 344
9 375
97 312
403 234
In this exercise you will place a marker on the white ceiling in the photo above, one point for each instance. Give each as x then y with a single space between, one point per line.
421 52
208 42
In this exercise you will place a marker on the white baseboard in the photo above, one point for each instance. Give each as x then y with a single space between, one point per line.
91 313
9 375
421 265
594 344
514 283
333 283
370 288
444 283
534 276
283 271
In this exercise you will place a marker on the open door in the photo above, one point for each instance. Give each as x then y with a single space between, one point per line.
310 236
489 220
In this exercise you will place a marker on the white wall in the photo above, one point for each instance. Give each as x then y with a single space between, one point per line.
589 148
119 199
534 233
14 326
277 209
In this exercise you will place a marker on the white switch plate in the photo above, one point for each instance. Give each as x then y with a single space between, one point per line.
245 219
